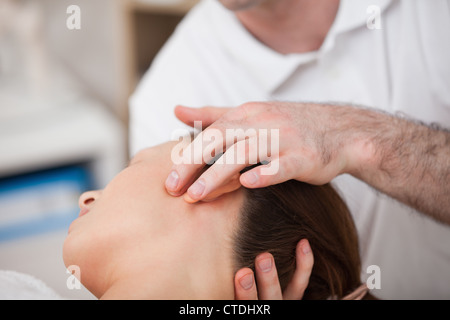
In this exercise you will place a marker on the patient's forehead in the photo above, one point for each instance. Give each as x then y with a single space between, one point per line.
157 154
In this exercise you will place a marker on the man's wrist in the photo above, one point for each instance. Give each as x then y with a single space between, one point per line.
360 157
361 128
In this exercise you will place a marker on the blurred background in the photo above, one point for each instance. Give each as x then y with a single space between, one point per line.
67 69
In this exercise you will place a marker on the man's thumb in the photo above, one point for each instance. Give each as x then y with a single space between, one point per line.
207 115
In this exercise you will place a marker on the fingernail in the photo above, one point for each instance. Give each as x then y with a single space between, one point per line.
251 177
172 180
196 190
246 281
265 265
306 248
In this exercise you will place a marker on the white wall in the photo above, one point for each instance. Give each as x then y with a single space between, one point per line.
93 53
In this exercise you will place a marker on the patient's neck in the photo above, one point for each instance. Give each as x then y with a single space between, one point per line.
162 285
197 267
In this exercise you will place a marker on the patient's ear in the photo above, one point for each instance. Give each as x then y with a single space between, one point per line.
232 185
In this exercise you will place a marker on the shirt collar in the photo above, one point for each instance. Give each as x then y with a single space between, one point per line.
260 60
352 14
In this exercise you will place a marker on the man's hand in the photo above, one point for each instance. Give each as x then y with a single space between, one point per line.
406 160
310 146
266 275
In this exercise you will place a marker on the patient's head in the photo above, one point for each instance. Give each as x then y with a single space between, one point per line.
133 240
276 218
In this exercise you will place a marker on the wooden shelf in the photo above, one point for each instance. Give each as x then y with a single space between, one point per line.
180 7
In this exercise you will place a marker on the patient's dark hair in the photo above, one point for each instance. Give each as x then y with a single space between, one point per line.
274 219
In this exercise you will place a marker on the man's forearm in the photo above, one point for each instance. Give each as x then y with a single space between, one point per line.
405 160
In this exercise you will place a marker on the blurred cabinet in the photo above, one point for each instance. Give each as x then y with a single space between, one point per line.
148 25
48 159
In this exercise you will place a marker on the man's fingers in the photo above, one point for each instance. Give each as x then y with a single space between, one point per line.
244 285
299 282
194 158
267 277
248 147
231 185
207 115
234 160
278 170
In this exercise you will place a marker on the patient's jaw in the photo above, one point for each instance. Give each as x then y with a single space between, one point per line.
136 241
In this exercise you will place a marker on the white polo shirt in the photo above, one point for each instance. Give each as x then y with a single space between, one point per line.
404 67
